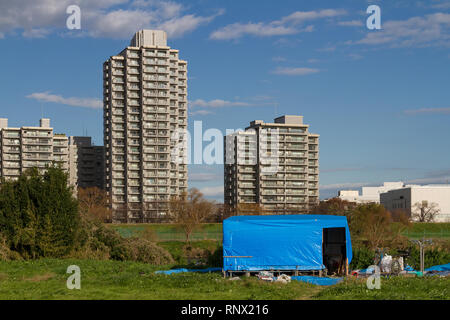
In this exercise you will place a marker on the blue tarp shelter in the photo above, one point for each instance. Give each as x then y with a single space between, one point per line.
442 267
284 242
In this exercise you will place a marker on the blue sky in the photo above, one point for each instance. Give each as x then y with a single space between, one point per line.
379 99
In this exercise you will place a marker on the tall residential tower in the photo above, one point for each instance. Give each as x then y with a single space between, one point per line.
145 103
274 165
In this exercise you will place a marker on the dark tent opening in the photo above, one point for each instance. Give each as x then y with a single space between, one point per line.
334 250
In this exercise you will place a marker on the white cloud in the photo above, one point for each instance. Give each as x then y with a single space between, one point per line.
102 18
285 26
200 112
295 71
74 102
430 30
218 103
351 23
349 185
302 16
442 5
202 177
238 30
428 110
212 191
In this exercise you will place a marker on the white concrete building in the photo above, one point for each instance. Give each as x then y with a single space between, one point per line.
145 102
31 147
282 179
405 198
369 194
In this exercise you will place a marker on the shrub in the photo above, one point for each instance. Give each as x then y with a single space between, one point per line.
433 256
143 250
149 234
97 241
215 259
362 258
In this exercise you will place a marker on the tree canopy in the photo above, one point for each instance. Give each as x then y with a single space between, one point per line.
39 214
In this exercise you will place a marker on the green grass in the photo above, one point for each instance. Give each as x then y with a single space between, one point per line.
170 232
428 230
46 279
395 288
213 231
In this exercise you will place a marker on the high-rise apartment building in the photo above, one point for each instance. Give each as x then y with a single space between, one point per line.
87 163
31 147
275 165
145 103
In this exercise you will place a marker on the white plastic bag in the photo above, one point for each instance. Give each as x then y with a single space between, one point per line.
283 278
386 263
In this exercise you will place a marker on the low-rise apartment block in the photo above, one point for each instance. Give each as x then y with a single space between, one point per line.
31 147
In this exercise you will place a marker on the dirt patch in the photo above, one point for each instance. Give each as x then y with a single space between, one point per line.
40 277
3 276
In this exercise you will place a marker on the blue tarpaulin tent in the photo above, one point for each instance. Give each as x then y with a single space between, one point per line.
284 242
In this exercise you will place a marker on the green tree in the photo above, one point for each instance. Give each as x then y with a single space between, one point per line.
38 214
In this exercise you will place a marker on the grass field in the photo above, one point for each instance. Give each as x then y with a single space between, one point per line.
46 279
428 230
213 231
170 232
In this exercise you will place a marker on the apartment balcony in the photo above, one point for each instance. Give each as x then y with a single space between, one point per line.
118 96
295 162
38 149
244 177
9 142
7 172
296 192
295 199
117 120
246 185
118 88
295 147
150 61
247 170
13 165
295 139
291 154
148 53
279 200
37 134
295 169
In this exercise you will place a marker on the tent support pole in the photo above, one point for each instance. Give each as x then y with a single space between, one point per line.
346 266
